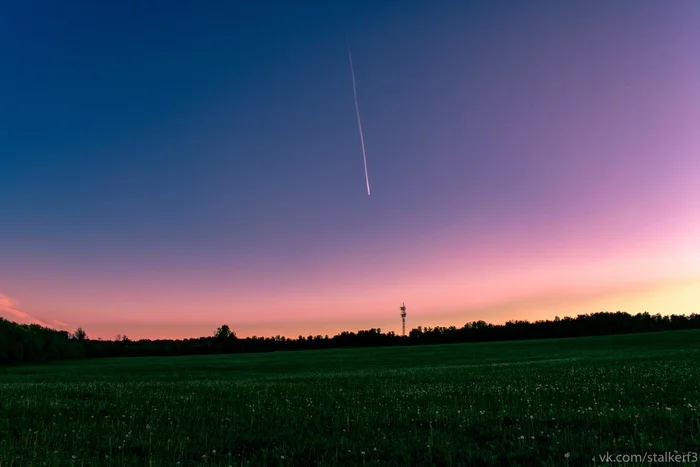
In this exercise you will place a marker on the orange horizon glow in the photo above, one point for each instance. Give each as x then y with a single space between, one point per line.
666 281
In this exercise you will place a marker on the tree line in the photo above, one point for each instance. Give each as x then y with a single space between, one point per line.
33 343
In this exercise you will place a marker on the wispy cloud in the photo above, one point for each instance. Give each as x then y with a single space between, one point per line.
60 323
9 309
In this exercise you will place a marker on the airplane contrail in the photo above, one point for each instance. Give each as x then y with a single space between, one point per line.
359 122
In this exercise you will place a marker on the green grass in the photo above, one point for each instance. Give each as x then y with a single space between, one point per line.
552 402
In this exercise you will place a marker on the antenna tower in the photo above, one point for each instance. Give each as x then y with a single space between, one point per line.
403 319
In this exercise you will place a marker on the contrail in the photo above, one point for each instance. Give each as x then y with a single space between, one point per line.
359 122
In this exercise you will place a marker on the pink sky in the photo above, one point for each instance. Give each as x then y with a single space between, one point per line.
488 281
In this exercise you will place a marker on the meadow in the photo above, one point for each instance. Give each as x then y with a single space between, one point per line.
549 402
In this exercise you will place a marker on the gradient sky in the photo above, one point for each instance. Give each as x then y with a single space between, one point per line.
167 167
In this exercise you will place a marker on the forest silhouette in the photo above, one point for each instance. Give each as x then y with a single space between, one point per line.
22 343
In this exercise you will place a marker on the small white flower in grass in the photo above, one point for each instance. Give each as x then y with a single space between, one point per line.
567 455
282 457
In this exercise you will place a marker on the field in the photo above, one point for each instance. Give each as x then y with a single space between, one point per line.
552 402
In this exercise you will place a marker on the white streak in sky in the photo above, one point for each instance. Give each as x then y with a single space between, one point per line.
359 122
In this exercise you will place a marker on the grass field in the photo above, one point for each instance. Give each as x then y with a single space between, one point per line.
552 402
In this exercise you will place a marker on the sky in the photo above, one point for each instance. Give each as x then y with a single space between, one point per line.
168 167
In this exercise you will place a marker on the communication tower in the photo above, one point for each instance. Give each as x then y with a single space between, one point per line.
403 319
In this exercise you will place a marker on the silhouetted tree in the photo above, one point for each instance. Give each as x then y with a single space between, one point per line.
223 332
80 334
